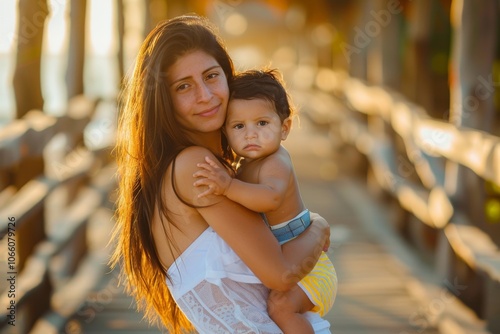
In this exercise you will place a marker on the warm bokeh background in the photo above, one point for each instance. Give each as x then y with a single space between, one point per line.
401 97
416 40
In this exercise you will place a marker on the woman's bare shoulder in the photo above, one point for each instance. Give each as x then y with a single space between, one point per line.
187 160
192 153
185 166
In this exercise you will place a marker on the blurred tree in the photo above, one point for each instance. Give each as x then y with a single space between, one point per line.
156 11
425 52
181 7
159 10
356 49
384 59
27 75
120 16
76 50
418 84
474 48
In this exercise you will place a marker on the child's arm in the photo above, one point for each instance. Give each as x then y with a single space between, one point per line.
265 196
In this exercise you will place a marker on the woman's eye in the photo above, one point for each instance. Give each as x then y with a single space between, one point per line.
212 75
182 87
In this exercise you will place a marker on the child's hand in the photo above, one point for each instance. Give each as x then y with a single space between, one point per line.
215 178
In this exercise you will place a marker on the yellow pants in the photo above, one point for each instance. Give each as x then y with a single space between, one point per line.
320 285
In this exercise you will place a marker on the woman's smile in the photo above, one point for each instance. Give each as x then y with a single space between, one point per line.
209 112
199 91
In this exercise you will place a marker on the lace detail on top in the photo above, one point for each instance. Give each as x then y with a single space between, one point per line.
230 307
220 294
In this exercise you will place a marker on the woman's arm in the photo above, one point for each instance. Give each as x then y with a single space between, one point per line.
250 238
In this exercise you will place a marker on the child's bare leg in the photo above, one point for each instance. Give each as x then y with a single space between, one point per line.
286 308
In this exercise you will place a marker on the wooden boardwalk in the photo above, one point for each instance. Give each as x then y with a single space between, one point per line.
373 294
374 287
57 176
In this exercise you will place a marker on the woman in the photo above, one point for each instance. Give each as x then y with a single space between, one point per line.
182 255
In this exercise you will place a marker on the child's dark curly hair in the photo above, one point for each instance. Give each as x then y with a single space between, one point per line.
262 84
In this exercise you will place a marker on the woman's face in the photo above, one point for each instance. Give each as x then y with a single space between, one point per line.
199 91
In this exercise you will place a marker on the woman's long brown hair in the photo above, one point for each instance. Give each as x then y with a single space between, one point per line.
148 140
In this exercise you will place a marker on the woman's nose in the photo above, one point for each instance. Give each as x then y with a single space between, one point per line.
204 93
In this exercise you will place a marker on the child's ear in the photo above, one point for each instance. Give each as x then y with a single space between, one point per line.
286 126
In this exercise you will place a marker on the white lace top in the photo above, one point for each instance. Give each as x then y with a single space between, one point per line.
220 294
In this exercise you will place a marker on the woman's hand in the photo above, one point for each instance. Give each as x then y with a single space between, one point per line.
312 242
324 226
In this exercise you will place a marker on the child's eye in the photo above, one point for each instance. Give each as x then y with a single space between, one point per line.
238 126
263 123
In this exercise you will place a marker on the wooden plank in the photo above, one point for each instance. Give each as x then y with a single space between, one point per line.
432 207
25 202
476 248
34 279
68 298
13 143
32 284
66 227
80 111
475 149
32 196
31 164
404 116
322 108
6 195
44 128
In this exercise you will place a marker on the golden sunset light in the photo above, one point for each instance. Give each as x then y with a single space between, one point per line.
8 22
102 26
263 166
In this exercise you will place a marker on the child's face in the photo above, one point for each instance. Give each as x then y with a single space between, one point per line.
254 129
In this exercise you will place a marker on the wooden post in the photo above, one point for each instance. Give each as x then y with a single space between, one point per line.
474 46
356 51
76 52
75 72
384 56
27 75
27 79
156 11
471 92
120 16
418 81
471 105
148 24
28 93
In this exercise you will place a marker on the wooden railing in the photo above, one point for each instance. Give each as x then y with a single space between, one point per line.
56 181
407 153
